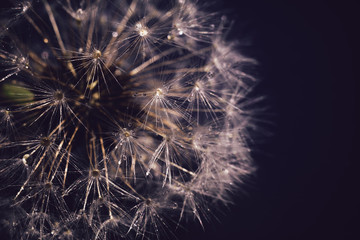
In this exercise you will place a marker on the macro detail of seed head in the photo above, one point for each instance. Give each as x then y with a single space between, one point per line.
119 119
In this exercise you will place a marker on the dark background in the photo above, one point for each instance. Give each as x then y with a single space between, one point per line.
307 185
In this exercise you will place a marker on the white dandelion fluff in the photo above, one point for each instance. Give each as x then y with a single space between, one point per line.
119 119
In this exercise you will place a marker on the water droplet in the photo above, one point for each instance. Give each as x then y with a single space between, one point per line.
45 55
79 12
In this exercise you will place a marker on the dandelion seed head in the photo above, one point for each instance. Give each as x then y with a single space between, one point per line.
119 118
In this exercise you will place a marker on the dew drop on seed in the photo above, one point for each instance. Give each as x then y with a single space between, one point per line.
143 32
79 12
117 72
138 26
45 55
26 156
26 6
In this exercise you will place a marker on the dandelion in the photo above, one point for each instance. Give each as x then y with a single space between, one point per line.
119 119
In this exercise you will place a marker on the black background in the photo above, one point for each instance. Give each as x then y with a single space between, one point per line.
306 186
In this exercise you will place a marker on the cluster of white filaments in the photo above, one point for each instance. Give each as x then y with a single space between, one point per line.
118 119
